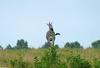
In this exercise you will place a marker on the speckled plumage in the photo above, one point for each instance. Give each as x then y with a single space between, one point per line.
50 36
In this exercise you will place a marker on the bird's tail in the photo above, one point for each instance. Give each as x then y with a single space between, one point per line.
57 34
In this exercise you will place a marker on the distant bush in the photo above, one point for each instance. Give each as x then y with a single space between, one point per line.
21 44
9 47
73 45
1 47
46 45
77 62
96 44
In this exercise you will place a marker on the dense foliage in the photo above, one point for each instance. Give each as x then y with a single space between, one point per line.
73 45
96 44
77 62
50 60
9 47
1 47
21 44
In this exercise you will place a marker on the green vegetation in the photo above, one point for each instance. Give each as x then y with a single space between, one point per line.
73 45
1 47
19 63
9 47
50 60
75 56
21 44
77 62
97 63
96 44
46 45
51 57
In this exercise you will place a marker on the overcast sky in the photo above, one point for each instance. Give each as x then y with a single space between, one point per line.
76 20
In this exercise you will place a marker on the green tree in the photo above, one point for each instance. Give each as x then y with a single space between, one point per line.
9 47
1 47
21 44
96 44
75 44
56 45
46 45
67 45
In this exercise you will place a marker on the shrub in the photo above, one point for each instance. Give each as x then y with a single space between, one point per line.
19 63
96 44
50 60
75 44
97 64
77 62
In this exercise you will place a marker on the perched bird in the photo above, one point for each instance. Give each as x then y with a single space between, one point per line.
50 36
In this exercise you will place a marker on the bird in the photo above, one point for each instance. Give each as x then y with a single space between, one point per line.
50 35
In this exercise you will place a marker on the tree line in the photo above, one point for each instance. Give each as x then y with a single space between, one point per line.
22 44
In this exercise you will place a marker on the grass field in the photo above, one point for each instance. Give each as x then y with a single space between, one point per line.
28 56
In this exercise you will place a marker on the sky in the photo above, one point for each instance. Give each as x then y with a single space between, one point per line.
75 20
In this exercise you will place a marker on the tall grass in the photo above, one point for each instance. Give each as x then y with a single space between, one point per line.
50 58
